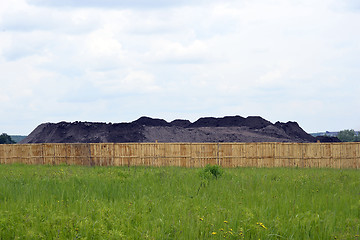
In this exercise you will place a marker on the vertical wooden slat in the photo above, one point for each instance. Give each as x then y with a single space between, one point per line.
102 154
325 160
126 154
162 155
347 155
35 153
225 151
194 155
283 155
185 152
106 154
250 153
265 152
118 158
2 154
336 155
311 155
48 153
8 154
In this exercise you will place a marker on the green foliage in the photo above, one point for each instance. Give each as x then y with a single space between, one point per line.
6 139
74 202
211 171
348 136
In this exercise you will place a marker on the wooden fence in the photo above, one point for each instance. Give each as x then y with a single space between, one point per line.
311 155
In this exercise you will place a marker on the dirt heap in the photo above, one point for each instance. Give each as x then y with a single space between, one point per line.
145 129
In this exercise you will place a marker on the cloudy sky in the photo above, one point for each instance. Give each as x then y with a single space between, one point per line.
118 60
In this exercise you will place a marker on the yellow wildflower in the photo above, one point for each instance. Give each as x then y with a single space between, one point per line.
261 225
225 221
213 233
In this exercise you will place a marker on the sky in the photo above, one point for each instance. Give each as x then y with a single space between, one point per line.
117 60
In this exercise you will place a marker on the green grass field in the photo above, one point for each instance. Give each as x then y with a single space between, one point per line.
74 202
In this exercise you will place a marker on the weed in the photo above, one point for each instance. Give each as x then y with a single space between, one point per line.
211 171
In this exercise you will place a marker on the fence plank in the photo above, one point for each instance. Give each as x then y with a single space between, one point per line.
225 155
348 155
48 153
325 151
2 154
101 154
336 155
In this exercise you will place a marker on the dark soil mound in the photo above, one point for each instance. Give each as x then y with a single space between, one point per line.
293 129
327 139
180 123
145 129
236 121
146 121
85 132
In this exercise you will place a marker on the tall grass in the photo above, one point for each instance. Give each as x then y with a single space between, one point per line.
74 202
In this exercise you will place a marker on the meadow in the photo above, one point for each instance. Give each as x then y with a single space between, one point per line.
77 202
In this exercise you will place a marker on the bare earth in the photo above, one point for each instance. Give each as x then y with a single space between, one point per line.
145 129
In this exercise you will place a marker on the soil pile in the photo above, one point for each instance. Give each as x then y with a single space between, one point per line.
145 129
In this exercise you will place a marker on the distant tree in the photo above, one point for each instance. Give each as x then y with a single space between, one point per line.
5 139
348 136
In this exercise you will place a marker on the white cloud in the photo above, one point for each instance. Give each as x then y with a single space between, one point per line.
132 82
76 60
28 18
164 51
113 3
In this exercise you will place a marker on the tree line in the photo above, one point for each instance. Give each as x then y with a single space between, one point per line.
349 135
6 139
